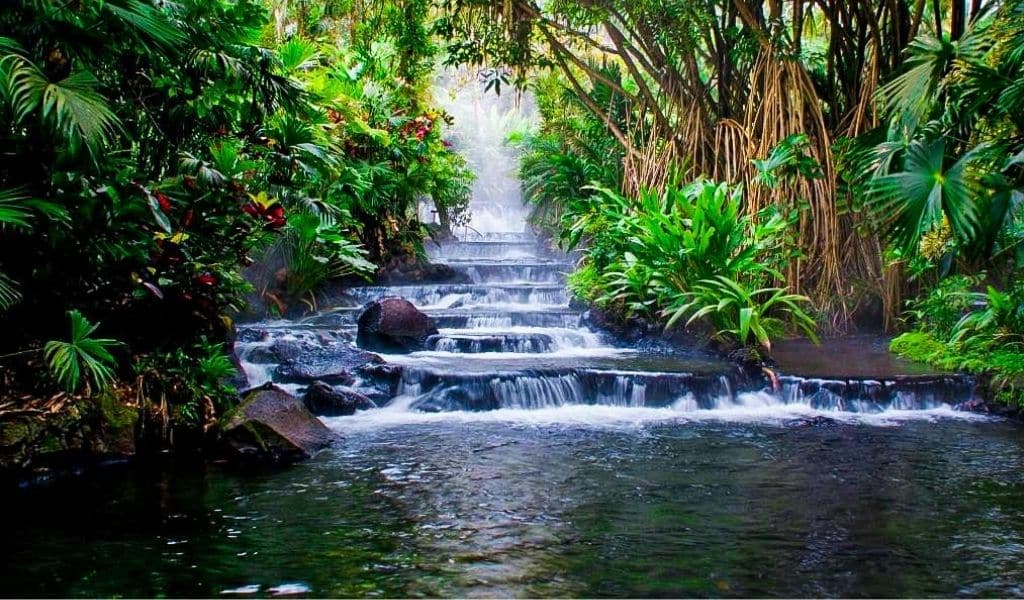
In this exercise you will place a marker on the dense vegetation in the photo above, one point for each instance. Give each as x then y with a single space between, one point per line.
166 162
748 168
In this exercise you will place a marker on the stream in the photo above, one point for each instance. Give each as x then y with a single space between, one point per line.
524 454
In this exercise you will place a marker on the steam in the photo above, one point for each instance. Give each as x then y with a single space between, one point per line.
483 123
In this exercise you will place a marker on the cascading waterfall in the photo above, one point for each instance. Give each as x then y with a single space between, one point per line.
511 343
482 123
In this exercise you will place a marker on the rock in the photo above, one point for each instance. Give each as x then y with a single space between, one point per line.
272 425
331 362
249 335
979 404
322 399
303 372
384 379
815 421
393 324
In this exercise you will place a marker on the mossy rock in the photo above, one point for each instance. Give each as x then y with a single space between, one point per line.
20 430
270 425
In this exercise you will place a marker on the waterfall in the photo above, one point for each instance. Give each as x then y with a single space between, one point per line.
510 342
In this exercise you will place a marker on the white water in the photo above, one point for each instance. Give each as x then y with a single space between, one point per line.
483 122
398 414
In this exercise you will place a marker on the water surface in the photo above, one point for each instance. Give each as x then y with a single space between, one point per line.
923 506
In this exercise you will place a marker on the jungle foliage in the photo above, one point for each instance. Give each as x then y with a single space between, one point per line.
887 134
165 162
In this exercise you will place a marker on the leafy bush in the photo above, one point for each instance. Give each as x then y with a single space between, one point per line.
971 331
688 252
192 381
743 315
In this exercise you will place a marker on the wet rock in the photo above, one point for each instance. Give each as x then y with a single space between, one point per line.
274 426
333 363
303 372
816 421
384 378
629 330
394 324
323 399
978 404
250 335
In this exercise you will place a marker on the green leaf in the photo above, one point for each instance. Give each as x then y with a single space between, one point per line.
82 354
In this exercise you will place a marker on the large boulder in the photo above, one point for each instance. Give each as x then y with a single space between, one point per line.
323 399
393 324
272 425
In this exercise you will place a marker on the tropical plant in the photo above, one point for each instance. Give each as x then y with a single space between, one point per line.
192 380
316 252
743 315
688 251
926 193
82 357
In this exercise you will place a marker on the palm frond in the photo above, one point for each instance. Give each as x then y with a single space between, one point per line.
9 292
914 201
82 354
72 107
150 24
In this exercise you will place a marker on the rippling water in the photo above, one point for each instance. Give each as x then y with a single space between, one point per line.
923 507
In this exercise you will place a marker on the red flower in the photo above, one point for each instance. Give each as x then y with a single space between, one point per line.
266 209
187 219
164 201
206 279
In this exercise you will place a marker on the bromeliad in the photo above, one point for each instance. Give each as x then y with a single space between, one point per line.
267 209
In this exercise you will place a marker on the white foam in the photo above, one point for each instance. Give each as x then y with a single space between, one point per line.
433 358
683 412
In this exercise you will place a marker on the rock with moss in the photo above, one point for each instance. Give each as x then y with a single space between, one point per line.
85 431
271 425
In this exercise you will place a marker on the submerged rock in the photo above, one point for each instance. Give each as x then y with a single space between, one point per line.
815 421
272 425
394 324
323 399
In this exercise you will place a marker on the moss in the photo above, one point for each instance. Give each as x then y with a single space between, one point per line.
22 430
114 412
51 443
1004 367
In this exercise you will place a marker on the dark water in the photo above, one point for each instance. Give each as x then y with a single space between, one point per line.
929 507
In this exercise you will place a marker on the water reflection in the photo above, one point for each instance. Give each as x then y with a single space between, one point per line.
505 509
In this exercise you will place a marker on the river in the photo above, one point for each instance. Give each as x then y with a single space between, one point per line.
525 453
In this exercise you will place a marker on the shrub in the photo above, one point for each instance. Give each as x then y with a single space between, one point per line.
688 252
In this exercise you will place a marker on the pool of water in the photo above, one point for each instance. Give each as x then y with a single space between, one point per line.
926 505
